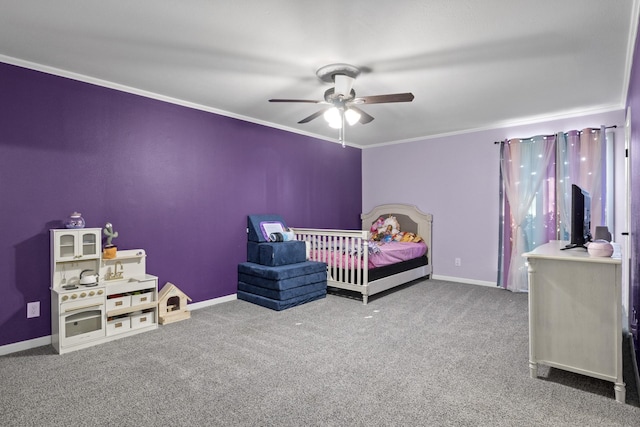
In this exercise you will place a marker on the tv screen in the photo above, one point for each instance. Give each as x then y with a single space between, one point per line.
580 217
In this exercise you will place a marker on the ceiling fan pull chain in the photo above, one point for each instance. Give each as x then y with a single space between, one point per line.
341 131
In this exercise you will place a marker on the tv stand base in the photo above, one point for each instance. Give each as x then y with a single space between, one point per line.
573 246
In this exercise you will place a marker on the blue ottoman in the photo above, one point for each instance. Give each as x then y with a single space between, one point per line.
282 287
279 305
275 254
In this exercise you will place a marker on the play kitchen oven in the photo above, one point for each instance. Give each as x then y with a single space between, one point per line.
80 316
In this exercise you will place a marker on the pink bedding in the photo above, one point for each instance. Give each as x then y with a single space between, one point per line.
388 253
394 252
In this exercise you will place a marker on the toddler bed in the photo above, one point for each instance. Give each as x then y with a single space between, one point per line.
356 262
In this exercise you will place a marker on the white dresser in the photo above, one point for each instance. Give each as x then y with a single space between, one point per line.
575 313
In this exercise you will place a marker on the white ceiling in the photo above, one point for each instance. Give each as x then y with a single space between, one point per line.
470 64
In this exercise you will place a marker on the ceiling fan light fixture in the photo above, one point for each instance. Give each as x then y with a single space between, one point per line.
333 117
352 116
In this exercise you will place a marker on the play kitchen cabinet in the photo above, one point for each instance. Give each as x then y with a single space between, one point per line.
71 245
94 300
132 305
73 252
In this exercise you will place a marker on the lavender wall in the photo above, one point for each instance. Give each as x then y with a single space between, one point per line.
633 104
456 179
175 181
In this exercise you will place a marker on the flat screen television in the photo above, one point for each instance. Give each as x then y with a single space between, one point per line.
580 217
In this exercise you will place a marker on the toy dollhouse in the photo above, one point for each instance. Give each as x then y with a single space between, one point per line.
172 304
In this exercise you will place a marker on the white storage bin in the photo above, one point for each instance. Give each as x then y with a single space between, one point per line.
120 302
118 326
141 320
141 299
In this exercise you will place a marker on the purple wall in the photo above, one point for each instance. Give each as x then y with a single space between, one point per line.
633 101
175 181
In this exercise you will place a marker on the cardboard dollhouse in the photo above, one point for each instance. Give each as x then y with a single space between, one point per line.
172 304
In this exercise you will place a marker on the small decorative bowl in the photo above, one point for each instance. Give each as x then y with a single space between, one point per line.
600 248
74 220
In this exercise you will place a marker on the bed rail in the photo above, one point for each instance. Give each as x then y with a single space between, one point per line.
329 246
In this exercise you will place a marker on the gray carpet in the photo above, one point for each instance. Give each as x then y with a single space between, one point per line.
431 353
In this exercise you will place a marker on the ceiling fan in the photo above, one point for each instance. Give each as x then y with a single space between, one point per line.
341 102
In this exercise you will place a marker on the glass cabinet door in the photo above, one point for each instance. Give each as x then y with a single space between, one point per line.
66 245
89 244
71 245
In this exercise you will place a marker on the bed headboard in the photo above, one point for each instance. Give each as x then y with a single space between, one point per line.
410 218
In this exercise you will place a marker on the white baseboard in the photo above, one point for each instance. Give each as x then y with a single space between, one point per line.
39 342
210 302
25 345
463 280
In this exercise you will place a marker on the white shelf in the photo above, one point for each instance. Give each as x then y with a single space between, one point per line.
128 254
126 310
120 258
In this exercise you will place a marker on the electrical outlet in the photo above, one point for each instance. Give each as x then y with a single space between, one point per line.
33 309
458 262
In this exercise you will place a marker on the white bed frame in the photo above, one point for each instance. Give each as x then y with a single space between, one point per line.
410 219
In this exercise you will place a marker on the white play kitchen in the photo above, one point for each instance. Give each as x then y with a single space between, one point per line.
95 299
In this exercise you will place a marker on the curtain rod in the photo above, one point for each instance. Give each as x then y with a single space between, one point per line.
606 127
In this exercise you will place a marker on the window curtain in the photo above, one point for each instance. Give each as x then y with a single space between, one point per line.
536 207
525 167
582 155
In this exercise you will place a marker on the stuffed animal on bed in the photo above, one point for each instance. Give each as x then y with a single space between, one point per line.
411 238
384 229
391 226
387 236
407 237
376 225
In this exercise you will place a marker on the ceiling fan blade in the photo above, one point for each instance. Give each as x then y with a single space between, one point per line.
382 99
295 100
364 117
313 116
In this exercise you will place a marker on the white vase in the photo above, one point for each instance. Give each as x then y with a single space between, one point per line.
600 248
